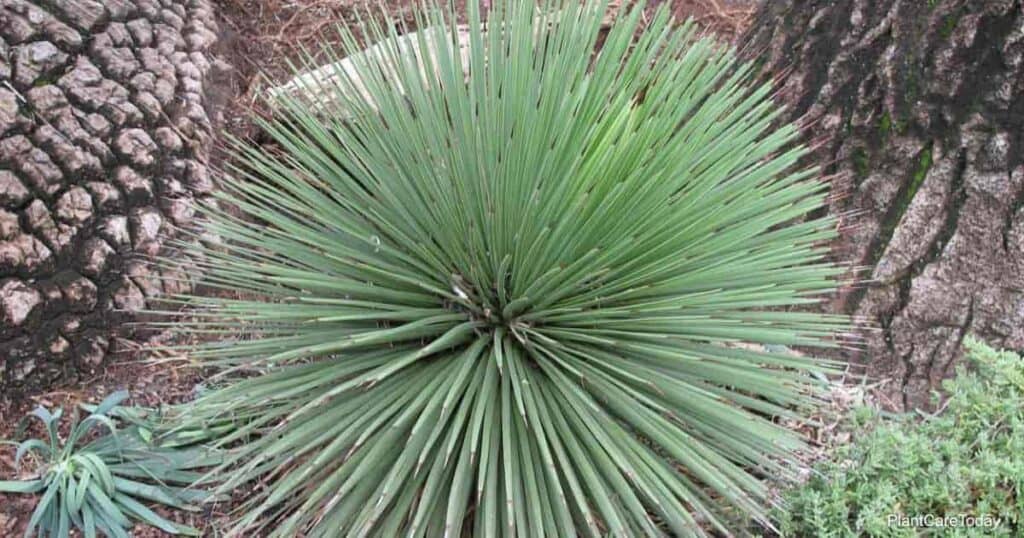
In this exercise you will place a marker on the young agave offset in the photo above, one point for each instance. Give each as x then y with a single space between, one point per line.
99 485
497 287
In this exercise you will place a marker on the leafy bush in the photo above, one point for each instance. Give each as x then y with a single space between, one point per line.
510 302
968 460
99 485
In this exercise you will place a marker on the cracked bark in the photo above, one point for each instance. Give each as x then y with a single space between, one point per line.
105 125
920 106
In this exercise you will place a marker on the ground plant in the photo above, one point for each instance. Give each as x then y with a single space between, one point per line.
528 277
99 479
963 466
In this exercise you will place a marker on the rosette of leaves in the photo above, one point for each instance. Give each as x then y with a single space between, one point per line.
530 289
99 478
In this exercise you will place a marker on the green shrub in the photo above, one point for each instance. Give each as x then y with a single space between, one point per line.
99 484
511 303
968 460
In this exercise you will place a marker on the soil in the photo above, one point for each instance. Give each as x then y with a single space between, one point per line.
258 39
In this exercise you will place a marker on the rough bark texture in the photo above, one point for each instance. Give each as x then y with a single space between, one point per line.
920 108
103 136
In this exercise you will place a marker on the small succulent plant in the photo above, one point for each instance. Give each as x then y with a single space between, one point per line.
99 478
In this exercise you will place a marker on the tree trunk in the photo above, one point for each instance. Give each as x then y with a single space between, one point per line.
103 138
919 106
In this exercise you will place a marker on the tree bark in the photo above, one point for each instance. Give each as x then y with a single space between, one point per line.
104 133
919 110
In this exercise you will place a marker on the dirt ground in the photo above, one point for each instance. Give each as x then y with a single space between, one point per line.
258 39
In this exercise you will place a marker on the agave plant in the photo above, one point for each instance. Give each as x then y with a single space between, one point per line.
98 484
536 287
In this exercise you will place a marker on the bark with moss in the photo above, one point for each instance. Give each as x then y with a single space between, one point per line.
920 110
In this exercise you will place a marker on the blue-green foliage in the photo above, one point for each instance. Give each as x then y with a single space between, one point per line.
99 478
968 460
